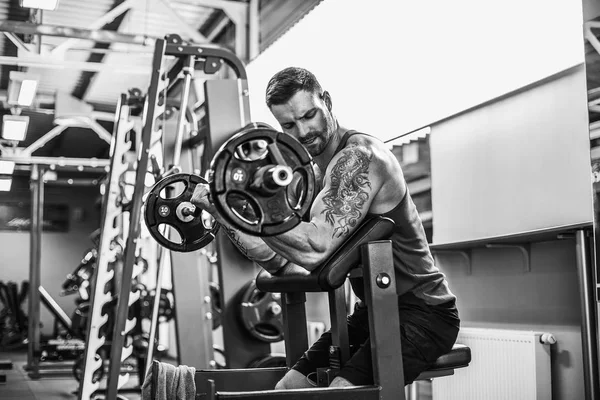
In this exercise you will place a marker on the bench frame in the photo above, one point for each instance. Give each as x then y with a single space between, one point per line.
380 293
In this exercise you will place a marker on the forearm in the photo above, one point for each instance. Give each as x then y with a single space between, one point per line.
252 247
303 245
256 250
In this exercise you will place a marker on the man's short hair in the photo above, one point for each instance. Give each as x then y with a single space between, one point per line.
289 81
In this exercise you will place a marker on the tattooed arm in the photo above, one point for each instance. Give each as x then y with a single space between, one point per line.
255 249
352 179
252 247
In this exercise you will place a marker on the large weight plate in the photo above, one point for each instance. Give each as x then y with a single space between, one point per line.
241 195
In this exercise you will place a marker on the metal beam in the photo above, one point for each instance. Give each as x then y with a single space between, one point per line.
107 18
17 41
85 122
86 77
590 36
27 28
97 115
218 28
235 10
48 62
100 131
73 182
183 25
59 162
41 142
253 29
95 50
35 254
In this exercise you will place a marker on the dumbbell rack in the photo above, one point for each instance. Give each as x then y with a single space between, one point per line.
112 211
154 106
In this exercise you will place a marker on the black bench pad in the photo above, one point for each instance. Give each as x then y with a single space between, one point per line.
458 357
332 273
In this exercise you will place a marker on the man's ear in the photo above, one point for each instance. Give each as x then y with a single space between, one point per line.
327 99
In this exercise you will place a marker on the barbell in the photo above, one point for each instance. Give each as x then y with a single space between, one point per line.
261 181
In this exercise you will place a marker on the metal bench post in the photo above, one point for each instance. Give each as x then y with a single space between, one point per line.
339 323
294 325
384 319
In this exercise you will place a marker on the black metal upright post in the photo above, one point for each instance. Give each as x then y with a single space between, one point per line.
384 319
35 258
588 316
339 326
121 327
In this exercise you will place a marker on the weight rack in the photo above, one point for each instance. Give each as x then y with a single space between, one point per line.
112 212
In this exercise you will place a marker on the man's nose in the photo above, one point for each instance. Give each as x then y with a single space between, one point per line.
303 130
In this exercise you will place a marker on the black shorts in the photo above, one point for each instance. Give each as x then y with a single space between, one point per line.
427 332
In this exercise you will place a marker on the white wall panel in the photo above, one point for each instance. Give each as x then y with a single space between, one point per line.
516 165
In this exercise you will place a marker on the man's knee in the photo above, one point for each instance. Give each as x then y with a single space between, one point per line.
292 380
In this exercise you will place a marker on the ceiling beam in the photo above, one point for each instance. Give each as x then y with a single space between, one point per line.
21 45
192 32
85 80
235 10
48 62
119 9
59 162
215 25
27 28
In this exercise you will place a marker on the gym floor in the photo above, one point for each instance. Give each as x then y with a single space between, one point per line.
19 386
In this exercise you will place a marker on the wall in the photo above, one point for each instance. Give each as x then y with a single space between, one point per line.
498 294
61 251
518 164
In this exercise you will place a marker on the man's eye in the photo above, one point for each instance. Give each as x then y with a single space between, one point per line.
310 115
288 126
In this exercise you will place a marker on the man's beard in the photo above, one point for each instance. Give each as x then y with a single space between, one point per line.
325 138
316 148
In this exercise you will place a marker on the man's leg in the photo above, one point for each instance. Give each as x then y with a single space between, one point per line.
315 357
294 380
303 373
426 333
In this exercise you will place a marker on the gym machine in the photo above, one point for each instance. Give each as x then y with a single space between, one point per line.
40 354
251 187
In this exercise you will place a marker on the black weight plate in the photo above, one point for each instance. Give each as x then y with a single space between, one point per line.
78 369
194 234
273 360
217 310
261 314
234 177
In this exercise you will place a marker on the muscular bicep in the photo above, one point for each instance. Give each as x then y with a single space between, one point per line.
351 182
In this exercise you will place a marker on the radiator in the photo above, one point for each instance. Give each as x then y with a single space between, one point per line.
505 365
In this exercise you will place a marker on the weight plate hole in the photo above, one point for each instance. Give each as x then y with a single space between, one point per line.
170 233
244 208
251 150
173 190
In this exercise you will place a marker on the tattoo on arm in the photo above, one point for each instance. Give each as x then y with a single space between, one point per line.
349 182
235 239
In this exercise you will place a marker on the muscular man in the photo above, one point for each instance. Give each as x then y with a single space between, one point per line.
361 178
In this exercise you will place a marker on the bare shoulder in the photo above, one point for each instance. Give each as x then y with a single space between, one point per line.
380 156
383 164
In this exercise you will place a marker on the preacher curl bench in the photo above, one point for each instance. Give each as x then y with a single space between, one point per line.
367 251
